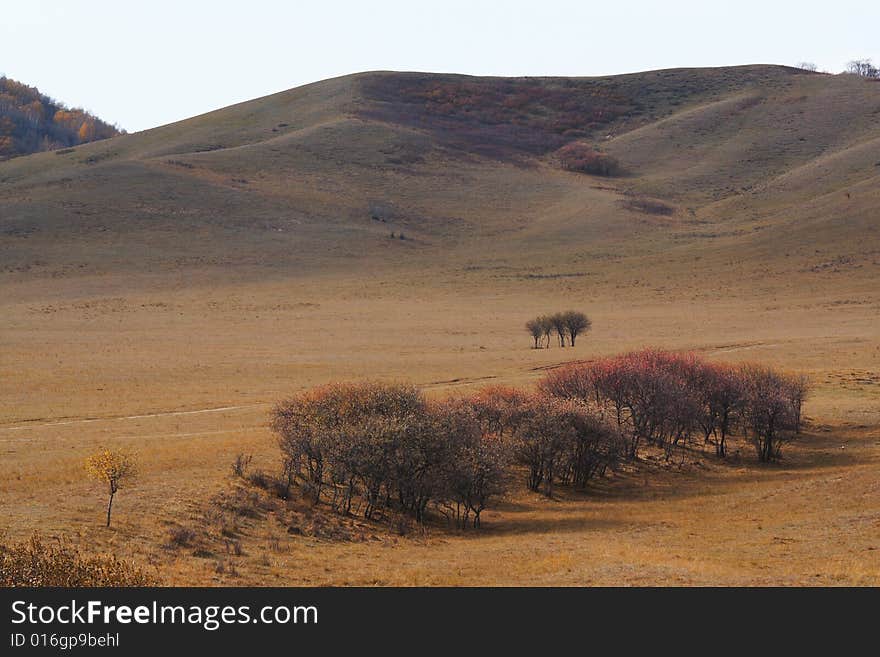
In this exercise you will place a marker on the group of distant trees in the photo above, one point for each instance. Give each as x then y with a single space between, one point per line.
861 67
566 325
667 399
864 68
373 449
31 122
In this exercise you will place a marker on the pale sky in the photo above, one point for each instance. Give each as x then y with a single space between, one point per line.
146 63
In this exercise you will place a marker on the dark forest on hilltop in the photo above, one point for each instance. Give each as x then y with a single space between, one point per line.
31 122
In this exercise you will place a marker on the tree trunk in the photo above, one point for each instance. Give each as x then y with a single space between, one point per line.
109 507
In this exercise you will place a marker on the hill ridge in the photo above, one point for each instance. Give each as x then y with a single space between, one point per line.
317 178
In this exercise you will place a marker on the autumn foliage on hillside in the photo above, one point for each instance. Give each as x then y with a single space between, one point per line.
499 116
31 122
509 118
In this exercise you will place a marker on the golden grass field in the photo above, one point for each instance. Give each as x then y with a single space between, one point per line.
165 307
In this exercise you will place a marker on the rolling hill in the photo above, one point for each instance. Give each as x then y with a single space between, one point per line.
162 290
322 174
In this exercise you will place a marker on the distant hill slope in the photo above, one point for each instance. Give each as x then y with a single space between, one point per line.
31 122
746 168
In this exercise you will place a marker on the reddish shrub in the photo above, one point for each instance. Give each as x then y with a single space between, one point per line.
583 158
664 398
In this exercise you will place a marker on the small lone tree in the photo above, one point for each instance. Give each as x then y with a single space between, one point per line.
575 323
112 468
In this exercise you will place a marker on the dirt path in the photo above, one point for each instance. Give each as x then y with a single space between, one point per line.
218 409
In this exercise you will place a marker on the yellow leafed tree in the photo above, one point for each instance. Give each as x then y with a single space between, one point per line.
112 468
86 132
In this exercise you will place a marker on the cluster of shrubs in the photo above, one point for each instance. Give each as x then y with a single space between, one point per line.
554 439
566 325
583 158
34 563
372 448
668 399
376 448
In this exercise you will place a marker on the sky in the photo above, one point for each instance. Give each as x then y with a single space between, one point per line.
143 64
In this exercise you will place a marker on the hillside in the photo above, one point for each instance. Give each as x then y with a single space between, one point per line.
31 122
452 161
160 291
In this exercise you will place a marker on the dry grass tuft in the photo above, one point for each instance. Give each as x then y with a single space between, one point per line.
34 563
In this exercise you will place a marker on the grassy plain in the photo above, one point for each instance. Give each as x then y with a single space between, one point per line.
160 291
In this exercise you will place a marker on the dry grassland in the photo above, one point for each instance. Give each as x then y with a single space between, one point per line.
165 307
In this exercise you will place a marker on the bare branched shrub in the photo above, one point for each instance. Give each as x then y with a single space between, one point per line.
500 409
540 441
343 435
241 464
181 536
797 389
226 567
597 447
474 467
377 449
771 410
722 397
561 440
241 502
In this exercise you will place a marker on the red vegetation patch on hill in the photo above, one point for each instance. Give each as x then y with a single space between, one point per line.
509 117
583 158
496 116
